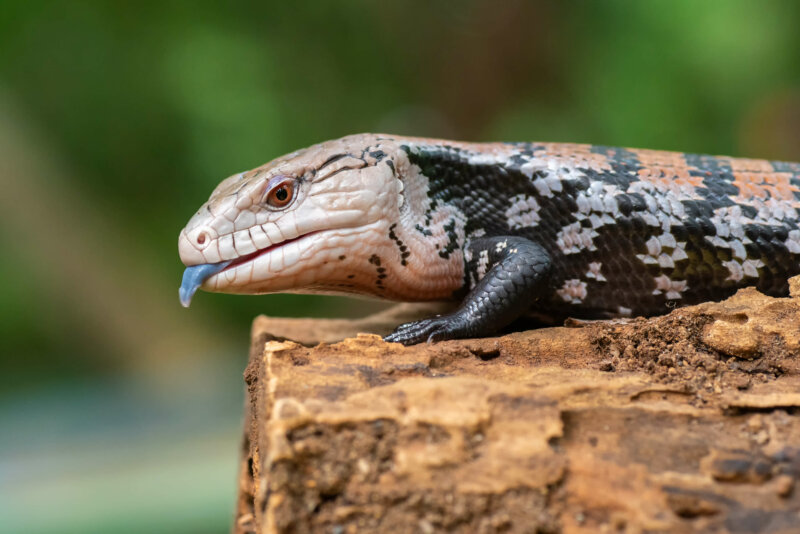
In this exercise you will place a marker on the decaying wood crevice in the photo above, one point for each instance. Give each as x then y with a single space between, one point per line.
684 423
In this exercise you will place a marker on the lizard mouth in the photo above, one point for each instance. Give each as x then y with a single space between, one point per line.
195 275
253 255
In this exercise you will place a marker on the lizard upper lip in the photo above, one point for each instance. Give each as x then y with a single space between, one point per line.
247 257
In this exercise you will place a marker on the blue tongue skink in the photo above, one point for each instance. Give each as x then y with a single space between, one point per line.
559 230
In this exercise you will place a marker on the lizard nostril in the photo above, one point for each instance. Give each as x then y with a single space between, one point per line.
201 238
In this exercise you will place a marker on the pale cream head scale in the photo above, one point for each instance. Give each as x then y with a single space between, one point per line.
290 224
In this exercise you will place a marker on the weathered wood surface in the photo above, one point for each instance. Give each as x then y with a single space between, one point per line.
684 423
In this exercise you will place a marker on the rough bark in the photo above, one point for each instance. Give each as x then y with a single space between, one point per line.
684 423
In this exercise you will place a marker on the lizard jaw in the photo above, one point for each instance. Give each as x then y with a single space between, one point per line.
195 275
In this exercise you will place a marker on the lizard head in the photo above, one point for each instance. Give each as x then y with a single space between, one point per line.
305 222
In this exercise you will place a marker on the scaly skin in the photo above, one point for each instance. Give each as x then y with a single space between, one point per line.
557 229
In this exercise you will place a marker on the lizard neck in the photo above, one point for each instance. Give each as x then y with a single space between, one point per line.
446 195
425 238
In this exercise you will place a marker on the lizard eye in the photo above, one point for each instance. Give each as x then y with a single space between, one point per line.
280 192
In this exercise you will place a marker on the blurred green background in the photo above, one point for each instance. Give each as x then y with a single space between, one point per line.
119 410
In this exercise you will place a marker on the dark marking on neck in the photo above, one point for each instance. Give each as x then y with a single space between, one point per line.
376 261
452 239
404 253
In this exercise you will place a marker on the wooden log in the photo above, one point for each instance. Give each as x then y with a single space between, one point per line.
684 423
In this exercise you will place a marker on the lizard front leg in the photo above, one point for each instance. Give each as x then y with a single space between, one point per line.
513 272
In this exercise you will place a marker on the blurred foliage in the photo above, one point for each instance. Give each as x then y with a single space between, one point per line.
130 113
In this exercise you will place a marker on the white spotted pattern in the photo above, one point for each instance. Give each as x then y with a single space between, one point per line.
672 289
729 223
523 212
547 183
740 270
573 239
483 263
573 291
793 242
594 271
598 205
663 250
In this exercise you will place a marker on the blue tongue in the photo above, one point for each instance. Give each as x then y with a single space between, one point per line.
194 276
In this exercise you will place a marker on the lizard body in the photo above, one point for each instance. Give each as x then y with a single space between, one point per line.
558 229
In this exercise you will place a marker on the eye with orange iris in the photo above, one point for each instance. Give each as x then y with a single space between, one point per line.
280 193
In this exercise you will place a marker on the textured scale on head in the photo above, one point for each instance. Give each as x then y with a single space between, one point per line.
326 219
557 229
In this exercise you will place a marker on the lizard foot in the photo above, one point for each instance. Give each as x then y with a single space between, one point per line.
437 328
